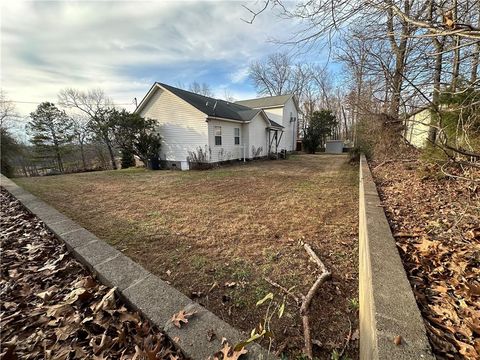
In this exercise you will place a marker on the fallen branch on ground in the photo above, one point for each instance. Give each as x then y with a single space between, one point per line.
349 337
288 292
304 309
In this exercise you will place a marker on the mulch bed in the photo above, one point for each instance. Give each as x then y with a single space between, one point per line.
52 308
436 223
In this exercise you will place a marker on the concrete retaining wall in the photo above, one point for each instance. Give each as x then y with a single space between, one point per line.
144 291
387 305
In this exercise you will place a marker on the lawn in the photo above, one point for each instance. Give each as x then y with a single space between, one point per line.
216 234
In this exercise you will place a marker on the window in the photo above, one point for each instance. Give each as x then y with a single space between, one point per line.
218 135
236 134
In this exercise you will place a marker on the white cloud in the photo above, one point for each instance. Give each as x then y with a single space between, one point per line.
123 47
240 75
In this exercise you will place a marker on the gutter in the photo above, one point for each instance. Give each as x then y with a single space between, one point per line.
225 119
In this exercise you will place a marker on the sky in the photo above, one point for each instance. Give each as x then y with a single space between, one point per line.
123 47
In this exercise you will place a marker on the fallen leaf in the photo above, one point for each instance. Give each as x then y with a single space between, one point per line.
397 340
229 353
181 317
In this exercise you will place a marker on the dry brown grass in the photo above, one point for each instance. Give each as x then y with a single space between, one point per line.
239 224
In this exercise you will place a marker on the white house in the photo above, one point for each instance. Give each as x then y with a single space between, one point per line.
418 127
190 123
282 109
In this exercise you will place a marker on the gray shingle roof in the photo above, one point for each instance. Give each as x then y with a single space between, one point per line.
269 101
222 109
275 124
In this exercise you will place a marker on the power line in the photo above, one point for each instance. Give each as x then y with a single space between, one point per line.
37 102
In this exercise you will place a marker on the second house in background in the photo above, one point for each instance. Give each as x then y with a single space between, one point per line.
216 130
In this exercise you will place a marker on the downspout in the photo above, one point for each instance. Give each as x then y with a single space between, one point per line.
294 130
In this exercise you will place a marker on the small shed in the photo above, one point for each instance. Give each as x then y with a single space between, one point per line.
334 146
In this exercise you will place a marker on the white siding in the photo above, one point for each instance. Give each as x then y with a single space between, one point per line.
228 150
418 128
182 127
281 115
257 137
276 114
289 138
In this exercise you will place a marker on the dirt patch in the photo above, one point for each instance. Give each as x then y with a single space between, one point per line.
200 230
436 224
51 308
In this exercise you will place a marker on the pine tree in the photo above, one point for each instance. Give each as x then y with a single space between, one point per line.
321 125
51 131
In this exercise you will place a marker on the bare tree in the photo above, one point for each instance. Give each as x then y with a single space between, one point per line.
201 89
81 132
8 111
227 95
274 76
98 107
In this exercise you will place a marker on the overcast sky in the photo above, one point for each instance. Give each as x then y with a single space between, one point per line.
123 47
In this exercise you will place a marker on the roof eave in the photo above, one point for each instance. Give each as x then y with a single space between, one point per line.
145 99
208 117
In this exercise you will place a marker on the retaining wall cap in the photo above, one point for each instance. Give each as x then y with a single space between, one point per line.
144 291
120 272
74 238
387 304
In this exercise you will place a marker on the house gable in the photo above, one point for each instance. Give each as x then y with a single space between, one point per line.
183 128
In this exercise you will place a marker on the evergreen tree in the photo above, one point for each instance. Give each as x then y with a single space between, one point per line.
128 160
51 131
136 135
321 125
9 149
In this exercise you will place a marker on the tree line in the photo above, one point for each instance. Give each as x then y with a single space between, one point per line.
84 132
399 57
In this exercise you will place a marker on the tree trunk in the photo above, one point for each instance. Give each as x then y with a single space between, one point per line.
456 65
475 61
82 152
439 44
400 51
57 151
112 156
397 83
456 53
476 53
59 159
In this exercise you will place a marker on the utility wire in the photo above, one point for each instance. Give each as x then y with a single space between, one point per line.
38 102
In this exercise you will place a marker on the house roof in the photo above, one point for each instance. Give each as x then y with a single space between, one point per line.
275 124
211 107
269 101
214 107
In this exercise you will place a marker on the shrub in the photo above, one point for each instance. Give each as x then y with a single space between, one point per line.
379 136
128 160
199 159
9 149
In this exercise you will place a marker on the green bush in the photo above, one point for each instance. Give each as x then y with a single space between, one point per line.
321 125
9 149
128 160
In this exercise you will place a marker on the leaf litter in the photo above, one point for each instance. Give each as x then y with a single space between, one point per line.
52 308
436 224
